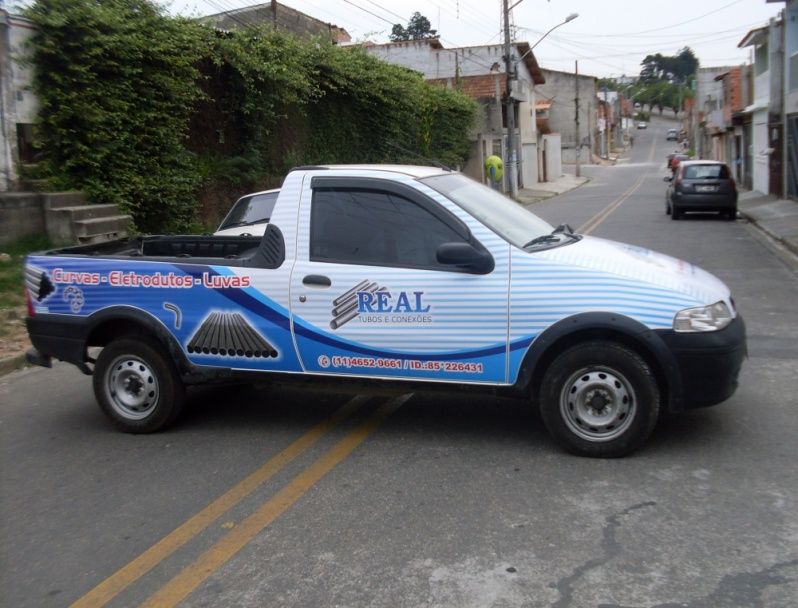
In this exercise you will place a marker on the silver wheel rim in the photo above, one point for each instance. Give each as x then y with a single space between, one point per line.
598 404
132 387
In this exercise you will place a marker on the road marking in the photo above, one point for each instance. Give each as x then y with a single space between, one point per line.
602 215
177 589
120 580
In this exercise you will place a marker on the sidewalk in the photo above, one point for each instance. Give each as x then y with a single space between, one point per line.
544 190
776 217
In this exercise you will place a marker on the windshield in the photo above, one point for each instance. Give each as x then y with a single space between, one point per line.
251 209
504 216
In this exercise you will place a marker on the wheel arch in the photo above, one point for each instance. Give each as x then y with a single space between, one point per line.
111 323
601 326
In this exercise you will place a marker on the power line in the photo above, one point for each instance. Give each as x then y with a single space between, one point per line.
659 29
365 10
701 39
388 11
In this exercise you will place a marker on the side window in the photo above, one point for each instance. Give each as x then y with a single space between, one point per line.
376 228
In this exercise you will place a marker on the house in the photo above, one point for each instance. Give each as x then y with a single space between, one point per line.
708 118
281 17
767 130
560 90
18 104
790 101
734 129
479 72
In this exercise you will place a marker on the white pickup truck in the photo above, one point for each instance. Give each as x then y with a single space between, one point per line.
411 278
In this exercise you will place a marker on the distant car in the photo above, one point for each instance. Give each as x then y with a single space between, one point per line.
701 185
674 160
672 135
642 125
249 215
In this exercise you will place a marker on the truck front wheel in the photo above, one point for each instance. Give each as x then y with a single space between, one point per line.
137 385
599 399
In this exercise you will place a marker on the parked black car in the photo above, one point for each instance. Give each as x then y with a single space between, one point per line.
701 185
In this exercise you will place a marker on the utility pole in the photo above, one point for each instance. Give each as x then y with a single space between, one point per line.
577 147
606 133
512 167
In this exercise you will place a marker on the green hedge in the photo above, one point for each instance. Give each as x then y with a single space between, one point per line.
149 111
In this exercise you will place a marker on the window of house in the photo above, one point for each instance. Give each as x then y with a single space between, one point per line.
378 228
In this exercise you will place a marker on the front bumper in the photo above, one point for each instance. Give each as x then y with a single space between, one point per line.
709 363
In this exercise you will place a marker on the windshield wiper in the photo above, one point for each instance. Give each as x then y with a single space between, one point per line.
252 223
554 237
543 239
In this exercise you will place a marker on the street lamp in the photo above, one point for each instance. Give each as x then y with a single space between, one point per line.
570 17
509 66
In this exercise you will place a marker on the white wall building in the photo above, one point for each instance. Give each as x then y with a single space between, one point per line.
480 73
18 104
767 130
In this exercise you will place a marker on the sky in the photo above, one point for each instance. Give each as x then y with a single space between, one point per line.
609 38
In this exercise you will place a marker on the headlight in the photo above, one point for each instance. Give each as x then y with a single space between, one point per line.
703 318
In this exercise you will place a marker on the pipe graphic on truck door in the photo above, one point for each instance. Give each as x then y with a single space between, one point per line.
227 334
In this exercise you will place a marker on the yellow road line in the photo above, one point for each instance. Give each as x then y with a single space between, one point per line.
602 215
192 576
117 582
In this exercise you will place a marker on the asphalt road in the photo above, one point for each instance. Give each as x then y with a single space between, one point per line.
274 497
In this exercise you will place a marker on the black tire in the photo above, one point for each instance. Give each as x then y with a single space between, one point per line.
667 207
675 212
599 399
137 385
731 214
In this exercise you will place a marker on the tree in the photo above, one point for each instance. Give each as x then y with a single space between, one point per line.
418 28
676 68
686 64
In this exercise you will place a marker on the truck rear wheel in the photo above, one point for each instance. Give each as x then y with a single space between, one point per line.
599 399
137 385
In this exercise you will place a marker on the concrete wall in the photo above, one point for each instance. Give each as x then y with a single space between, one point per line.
281 17
21 214
551 157
560 88
18 104
433 61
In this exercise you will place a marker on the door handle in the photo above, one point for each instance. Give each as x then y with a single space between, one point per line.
316 280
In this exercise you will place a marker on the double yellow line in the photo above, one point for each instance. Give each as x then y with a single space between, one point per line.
192 576
602 215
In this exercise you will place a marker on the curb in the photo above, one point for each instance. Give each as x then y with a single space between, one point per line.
12 364
785 243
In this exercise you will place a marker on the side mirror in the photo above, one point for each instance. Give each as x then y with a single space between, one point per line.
465 256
